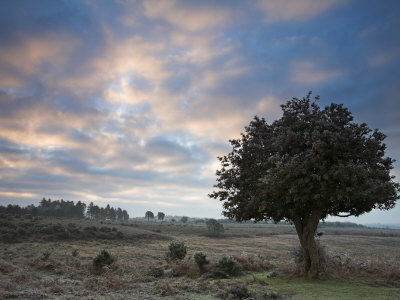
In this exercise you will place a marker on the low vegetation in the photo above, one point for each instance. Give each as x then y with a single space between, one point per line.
176 251
201 259
252 261
103 259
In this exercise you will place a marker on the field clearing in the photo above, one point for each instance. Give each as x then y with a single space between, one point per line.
60 266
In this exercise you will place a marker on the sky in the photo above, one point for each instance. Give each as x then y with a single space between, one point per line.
131 102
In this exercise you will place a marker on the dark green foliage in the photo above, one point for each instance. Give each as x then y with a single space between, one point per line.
184 219
229 265
214 227
201 259
149 215
310 158
305 166
160 216
66 209
104 258
108 213
176 251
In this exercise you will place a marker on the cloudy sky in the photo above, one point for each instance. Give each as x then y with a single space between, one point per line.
131 102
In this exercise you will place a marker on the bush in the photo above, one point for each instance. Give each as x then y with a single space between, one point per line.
104 258
156 272
214 227
201 259
105 229
75 253
238 291
176 251
229 265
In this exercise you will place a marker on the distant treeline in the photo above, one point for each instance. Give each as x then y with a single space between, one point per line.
340 224
321 224
67 209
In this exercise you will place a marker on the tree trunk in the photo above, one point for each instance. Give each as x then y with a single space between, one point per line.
306 228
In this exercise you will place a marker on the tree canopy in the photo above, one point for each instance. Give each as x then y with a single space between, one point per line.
303 167
160 216
149 215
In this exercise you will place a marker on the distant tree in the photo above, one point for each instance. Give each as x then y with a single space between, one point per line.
45 203
125 215
160 216
112 214
90 211
33 210
184 219
214 227
305 166
173 220
102 213
97 212
149 215
107 211
79 211
120 215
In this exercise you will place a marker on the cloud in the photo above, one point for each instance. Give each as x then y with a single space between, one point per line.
187 16
34 54
122 57
293 10
131 102
307 72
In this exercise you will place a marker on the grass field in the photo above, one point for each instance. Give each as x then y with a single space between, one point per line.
53 259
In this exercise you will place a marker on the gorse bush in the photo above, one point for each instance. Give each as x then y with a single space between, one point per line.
104 258
201 259
229 265
176 251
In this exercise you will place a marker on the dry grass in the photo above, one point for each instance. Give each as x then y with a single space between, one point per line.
50 269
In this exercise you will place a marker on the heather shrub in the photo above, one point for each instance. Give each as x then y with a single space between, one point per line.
252 262
104 258
156 272
201 259
176 251
105 229
237 291
229 265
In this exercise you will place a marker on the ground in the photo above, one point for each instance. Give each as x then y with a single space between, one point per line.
53 260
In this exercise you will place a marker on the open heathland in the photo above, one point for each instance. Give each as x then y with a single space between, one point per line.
54 259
